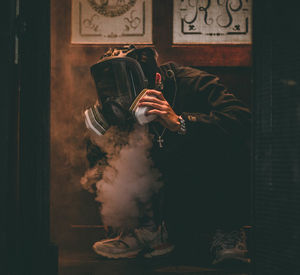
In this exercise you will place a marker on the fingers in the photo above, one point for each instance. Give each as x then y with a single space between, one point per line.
152 99
162 107
160 113
158 94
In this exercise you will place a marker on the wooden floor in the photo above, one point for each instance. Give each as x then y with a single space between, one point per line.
88 263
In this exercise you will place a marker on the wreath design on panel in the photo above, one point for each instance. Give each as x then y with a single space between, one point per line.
111 8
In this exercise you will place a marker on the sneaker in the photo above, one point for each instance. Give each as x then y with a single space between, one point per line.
152 243
123 246
155 242
229 246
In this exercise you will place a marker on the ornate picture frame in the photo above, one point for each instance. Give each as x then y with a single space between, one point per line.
212 21
111 22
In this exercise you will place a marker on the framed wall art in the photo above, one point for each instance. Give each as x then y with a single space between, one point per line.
111 21
212 21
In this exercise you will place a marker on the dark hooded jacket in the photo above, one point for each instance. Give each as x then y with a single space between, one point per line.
207 170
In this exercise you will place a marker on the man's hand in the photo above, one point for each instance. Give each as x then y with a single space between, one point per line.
159 106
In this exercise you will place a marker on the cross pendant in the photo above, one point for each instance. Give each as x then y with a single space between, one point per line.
160 142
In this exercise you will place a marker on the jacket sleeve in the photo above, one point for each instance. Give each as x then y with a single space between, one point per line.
208 105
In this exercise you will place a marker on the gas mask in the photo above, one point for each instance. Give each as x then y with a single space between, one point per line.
120 83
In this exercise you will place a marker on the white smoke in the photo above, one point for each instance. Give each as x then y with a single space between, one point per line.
127 179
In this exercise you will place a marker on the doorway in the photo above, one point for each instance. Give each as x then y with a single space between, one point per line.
75 218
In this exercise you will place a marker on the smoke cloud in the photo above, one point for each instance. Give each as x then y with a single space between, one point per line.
126 179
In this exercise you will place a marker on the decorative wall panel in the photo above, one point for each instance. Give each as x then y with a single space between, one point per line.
212 21
111 21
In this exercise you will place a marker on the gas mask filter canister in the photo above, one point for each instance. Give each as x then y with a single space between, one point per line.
140 112
95 121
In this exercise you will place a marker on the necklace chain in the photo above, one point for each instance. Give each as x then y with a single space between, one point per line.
169 74
159 140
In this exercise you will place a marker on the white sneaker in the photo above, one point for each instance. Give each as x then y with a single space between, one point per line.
123 246
155 243
152 243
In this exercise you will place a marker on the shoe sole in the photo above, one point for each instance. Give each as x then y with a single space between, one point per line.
233 257
127 255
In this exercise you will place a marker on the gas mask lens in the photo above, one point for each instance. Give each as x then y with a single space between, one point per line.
119 82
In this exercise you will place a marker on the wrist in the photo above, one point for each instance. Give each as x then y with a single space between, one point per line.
182 126
177 125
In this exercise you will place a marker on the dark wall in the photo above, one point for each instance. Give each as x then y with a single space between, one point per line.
8 139
72 89
25 91
277 139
